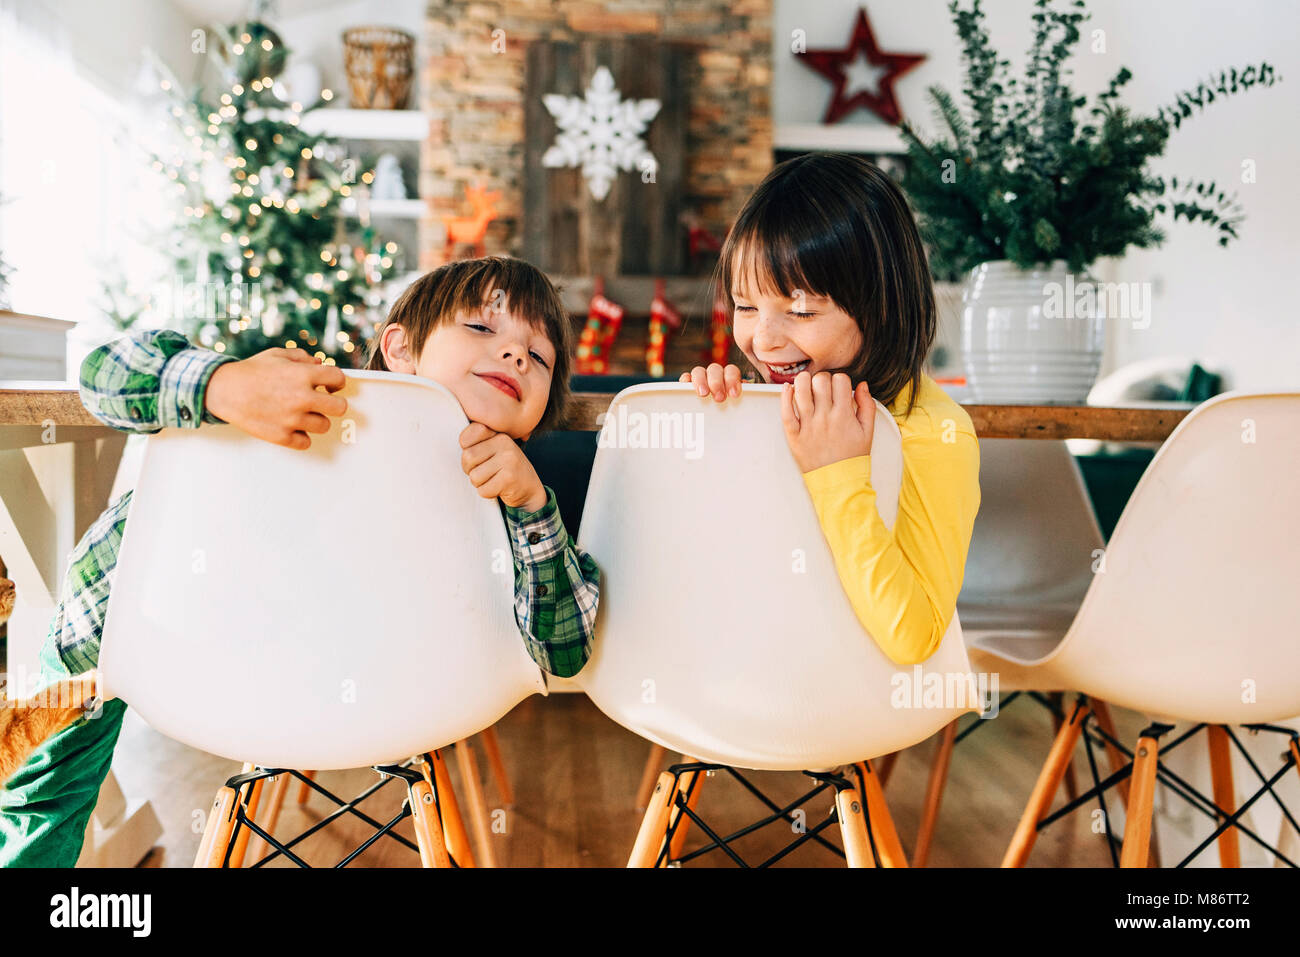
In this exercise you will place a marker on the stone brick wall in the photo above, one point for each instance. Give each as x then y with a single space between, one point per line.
472 87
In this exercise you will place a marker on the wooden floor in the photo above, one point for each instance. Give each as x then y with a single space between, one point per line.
575 774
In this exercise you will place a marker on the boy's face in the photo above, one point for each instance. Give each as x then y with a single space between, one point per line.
783 336
496 365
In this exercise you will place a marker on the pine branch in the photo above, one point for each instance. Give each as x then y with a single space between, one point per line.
946 110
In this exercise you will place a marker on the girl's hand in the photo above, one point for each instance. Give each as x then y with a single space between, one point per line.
721 382
499 469
826 420
274 396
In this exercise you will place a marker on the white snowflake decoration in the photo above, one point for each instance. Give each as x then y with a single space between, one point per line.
601 133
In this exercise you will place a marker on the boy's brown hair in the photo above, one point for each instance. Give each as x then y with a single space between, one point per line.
471 284
836 225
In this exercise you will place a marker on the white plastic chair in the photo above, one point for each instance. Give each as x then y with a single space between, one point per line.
1029 566
1191 618
1035 538
723 630
343 606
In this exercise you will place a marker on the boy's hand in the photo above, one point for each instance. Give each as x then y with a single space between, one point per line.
273 396
721 382
826 420
499 469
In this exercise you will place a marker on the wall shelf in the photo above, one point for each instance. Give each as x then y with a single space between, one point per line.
410 125
388 208
848 137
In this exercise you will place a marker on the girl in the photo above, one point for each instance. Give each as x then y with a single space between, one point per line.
827 281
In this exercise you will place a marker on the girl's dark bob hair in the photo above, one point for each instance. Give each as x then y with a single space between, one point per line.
835 225
470 284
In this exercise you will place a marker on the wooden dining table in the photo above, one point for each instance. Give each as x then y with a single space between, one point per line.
33 404
58 464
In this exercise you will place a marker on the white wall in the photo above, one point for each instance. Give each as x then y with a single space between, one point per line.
76 201
107 39
1230 307
67 165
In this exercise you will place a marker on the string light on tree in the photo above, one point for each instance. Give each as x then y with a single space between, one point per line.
259 206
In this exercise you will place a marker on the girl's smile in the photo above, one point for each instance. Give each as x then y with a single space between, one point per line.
785 373
784 336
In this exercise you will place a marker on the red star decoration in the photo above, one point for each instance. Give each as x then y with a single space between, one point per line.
831 64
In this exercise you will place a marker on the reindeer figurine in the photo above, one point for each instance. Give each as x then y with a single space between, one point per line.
471 229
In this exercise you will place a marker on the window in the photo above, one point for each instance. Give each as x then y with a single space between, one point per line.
77 191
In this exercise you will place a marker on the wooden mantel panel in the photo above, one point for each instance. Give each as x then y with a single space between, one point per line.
38 403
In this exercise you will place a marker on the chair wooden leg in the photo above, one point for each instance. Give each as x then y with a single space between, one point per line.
452 822
428 832
653 762
692 783
1049 781
885 767
1113 754
1288 838
250 812
1137 819
1225 796
1058 702
478 813
1117 761
934 794
1153 859
879 820
492 746
304 789
210 827
216 836
650 838
853 829
280 787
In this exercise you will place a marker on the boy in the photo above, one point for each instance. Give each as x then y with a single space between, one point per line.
492 331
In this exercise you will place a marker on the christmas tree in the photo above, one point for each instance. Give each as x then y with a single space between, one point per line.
259 235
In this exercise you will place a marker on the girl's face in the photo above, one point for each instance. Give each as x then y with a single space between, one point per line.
782 337
496 365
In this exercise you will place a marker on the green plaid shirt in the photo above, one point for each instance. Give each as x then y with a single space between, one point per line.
155 379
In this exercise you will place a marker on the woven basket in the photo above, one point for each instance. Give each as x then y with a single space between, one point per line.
379 63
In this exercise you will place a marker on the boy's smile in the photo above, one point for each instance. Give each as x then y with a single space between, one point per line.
497 365
505 383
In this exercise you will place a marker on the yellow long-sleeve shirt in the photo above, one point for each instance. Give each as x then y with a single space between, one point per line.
903 584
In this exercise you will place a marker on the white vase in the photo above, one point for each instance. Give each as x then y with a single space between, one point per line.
1030 336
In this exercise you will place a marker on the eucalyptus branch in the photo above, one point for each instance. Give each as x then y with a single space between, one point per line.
1225 84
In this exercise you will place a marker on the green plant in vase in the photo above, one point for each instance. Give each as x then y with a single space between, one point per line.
1019 198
